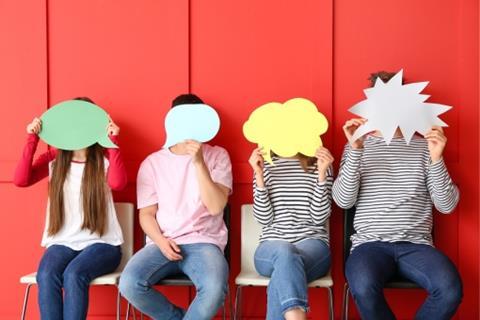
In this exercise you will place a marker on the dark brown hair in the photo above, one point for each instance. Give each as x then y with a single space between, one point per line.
188 98
93 191
305 161
384 75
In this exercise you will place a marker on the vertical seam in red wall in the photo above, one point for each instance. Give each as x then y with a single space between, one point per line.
47 38
333 77
189 16
47 56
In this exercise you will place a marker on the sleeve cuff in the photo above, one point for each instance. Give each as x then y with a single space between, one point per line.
321 183
114 138
355 154
32 137
261 189
437 167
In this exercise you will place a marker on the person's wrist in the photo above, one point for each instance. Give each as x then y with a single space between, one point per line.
356 146
161 241
198 161
436 159
322 173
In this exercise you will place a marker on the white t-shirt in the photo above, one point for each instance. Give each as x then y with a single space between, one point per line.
71 234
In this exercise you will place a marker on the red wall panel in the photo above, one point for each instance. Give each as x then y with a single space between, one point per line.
23 86
23 74
132 58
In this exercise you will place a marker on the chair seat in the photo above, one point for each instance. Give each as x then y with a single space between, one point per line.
254 279
398 282
107 279
176 280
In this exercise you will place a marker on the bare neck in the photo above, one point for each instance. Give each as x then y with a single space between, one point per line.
179 149
80 155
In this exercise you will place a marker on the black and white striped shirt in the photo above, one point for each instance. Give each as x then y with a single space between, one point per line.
294 205
393 188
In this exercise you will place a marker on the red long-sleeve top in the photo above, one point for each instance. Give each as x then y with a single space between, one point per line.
29 172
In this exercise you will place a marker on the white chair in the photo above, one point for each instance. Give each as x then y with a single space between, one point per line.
125 217
249 277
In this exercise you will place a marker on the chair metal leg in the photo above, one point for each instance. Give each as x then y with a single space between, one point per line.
118 305
127 315
238 303
25 301
230 305
346 293
330 303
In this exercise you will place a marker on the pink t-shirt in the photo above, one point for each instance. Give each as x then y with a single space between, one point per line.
170 181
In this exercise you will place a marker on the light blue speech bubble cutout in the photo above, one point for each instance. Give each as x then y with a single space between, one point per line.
198 122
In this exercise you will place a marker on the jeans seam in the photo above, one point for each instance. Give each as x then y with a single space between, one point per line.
421 274
262 259
316 264
150 274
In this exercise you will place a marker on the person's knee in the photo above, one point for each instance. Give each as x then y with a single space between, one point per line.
449 290
362 284
286 253
131 284
74 279
212 294
48 276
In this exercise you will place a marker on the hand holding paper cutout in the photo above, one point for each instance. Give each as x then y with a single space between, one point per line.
113 129
349 129
198 122
194 149
324 161
35 126
74 125
286 129
436 143
256 161
392 105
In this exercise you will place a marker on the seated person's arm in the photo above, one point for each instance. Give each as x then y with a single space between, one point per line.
149 225
214 195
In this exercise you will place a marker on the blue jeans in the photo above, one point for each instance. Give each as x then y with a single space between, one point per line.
290 268
203 263
372 264
62 267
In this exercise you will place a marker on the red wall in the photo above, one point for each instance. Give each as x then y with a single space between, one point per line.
133 57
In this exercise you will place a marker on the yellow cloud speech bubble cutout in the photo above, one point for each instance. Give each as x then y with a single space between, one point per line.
286 129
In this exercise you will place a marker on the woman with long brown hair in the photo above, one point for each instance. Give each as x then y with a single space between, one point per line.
82 234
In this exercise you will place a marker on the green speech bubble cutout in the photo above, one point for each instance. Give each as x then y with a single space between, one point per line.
74 125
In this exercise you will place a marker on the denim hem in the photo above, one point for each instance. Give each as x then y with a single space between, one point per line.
295 303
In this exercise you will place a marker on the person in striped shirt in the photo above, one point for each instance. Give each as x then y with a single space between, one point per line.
292 202
393 188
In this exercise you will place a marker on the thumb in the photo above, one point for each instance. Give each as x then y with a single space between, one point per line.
175 246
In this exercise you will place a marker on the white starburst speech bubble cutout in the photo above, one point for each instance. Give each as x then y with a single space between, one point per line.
392 105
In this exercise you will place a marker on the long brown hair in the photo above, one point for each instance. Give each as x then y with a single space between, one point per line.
93 191
306 162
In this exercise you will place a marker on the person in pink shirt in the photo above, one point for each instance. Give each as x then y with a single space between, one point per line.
181 193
